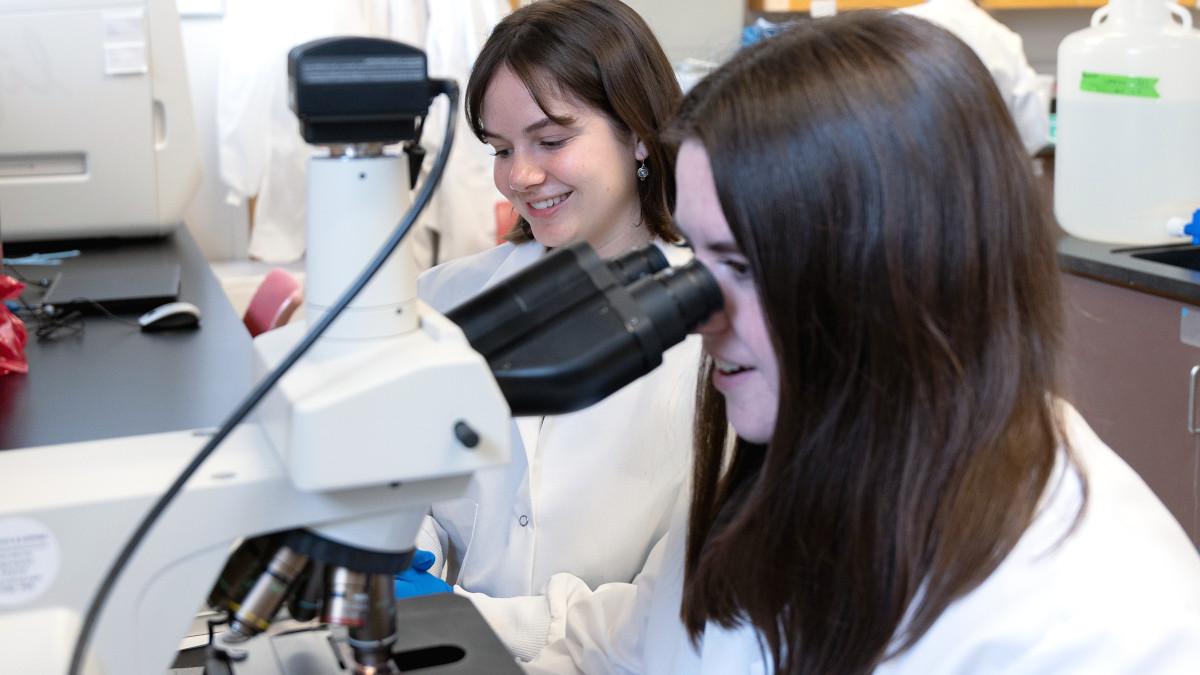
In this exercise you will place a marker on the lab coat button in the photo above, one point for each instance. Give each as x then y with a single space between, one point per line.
523 520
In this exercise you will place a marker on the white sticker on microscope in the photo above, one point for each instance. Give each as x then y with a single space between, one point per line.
28 560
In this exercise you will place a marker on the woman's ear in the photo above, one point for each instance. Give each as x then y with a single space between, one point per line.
640 152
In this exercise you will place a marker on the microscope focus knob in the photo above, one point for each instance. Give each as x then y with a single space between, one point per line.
465 434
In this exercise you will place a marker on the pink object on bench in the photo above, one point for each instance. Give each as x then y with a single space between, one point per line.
277 298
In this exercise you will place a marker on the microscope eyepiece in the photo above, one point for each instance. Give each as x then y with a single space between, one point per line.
637 263
677 299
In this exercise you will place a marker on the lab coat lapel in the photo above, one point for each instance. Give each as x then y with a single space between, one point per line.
521 257
530 428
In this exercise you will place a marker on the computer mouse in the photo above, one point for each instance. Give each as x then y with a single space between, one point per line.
172 315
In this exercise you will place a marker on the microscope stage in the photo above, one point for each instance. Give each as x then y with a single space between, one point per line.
439 634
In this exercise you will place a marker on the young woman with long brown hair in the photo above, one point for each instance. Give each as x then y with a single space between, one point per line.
905 492
572 96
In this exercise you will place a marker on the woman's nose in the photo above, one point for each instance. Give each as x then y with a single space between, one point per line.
524 174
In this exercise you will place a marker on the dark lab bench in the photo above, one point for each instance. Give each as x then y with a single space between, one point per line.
113 380
1135 268
1132 341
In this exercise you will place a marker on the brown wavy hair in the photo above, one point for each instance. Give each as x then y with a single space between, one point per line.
879 190
602 54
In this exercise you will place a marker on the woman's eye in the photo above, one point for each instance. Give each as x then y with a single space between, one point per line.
738 267
501 152
553 143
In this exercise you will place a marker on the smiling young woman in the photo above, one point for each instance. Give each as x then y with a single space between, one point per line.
569 172
572 96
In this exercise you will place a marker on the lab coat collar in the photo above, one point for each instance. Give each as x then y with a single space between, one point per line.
530 429
522 256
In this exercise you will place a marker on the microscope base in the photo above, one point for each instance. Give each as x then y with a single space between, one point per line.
437 634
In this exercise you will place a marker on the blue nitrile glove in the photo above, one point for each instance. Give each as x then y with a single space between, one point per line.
416 580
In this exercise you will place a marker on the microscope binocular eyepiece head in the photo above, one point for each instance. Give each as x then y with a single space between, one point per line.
571 329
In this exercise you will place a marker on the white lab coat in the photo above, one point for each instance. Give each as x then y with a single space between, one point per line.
1002 51
587 494
461 218
1120 594
261 152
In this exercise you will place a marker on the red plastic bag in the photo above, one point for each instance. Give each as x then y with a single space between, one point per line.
12 330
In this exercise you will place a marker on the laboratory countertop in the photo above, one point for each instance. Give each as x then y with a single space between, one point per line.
112 380
115 381
1118 265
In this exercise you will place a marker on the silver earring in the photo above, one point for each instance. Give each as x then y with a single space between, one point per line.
643 173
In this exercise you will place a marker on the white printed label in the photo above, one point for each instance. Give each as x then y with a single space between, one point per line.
125 42
126 59
28 560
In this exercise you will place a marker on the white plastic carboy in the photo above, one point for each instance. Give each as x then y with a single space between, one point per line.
1127 159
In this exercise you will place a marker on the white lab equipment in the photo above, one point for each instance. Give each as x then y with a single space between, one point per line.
97 135
392 409
1128 123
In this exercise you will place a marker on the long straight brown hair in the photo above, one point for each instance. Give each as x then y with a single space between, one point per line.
602 54
877 186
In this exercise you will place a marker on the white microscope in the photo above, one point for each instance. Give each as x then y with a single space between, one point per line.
314 503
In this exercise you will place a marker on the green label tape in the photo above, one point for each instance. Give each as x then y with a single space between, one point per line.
1119 85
